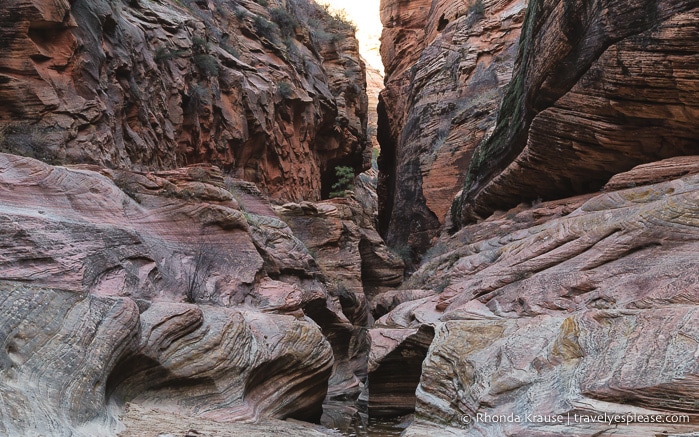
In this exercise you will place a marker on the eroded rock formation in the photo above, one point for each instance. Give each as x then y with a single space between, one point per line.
583 306
447 64
395 368
340 233
273 95
127 281
596 92
157 289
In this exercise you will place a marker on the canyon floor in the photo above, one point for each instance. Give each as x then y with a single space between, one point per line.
141 422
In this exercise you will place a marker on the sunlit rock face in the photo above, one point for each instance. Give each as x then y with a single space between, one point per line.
447 65
596 91
153 288
274 95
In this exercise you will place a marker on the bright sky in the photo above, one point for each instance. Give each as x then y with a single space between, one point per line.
365 14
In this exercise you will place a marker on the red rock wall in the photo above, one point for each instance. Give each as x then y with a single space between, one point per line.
596 92
148 85
446 67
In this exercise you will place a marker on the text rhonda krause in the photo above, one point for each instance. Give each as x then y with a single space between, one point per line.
569 418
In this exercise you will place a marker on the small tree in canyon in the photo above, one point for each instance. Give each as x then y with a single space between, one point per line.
345 181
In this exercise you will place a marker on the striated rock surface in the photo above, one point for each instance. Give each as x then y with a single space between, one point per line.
654 172
274 95
153 288
374 86
584 304
395 366
581 306
447 65
352 256
141 421
596 92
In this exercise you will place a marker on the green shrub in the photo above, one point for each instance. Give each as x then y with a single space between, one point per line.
199 44
231 50
477 8
404 252
207 64
265 28
339 18
345 179
320 36
292 53
375 152
163 54
241 13
285 89
286 22
441 285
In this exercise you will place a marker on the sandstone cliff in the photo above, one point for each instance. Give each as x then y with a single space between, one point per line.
596 91
130 285
545 297
583 105
447 64
273 95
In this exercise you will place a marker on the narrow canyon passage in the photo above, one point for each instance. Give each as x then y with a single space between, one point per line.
226 218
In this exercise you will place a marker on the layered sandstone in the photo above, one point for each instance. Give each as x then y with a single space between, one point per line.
585 306
595 92
352 256
274 95
447 64
155 288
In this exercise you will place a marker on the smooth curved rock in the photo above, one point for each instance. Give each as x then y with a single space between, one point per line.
245 376
59 349
594 363
150 288
654 172
386 302
395 366
578 306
